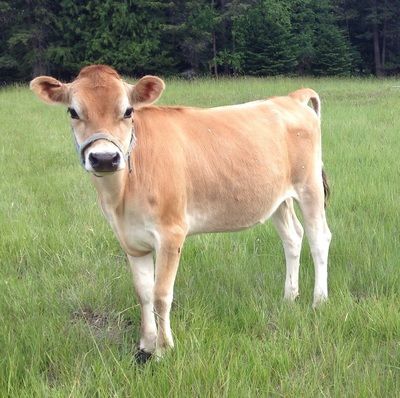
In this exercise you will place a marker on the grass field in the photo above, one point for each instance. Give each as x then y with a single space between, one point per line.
69 319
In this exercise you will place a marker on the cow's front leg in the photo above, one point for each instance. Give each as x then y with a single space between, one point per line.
168 255
143 280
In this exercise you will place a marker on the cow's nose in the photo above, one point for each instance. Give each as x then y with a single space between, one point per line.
104 161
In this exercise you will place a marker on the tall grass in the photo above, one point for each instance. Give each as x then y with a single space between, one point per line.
69 317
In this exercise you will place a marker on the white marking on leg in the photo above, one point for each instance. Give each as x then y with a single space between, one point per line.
291 233
143 280
167 262
319 237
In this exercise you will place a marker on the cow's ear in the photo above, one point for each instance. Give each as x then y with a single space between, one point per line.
50 90
146 91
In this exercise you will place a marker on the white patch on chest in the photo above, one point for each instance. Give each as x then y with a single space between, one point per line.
133 232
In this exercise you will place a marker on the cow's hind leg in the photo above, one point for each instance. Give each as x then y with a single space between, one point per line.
311 201
291 233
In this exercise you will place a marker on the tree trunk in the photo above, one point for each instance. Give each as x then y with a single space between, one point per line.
375 36
214 40
39 64
224 32
383 57
215 55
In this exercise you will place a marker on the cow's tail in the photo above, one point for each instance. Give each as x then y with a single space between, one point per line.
305 95
327 190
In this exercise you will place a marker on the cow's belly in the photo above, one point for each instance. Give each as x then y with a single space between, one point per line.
233 215
236 186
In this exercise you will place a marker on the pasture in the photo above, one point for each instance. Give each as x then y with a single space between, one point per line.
70 319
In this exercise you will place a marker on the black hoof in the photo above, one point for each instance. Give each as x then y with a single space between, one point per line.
141 356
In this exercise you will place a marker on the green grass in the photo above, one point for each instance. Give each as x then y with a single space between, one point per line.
69 316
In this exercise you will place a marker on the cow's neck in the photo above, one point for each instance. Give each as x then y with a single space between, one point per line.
111 188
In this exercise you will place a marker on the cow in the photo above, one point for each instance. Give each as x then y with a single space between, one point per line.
163 173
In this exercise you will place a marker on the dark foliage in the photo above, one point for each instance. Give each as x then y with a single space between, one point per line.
257 37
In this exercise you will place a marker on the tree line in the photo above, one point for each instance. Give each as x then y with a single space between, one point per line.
197 37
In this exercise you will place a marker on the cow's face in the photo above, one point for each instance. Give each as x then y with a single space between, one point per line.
101 107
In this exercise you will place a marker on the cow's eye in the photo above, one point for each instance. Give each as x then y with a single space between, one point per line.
128 113
73 113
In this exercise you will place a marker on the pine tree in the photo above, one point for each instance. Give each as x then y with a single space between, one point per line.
8 63
26 34
124 34
264 37
303 21
189 32
332 55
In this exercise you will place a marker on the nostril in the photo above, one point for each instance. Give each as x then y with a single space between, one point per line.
115 159
94 160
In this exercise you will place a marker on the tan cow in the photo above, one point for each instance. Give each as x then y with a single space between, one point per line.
163 173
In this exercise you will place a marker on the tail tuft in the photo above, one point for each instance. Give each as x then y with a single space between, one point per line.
327 190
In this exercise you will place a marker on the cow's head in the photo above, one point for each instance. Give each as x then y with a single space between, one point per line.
101 107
